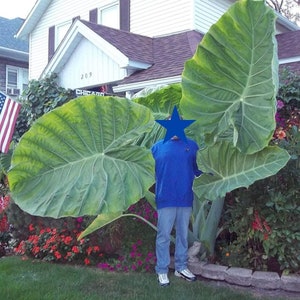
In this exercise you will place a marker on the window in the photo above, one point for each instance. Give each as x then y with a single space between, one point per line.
16 80
109 15
60 32
12 77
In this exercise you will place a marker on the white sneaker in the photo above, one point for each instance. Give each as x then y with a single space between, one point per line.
163 279
186 274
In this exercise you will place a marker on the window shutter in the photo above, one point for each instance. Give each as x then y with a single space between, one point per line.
51 42
94 15
125 15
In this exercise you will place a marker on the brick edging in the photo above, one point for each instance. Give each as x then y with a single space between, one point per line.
246 277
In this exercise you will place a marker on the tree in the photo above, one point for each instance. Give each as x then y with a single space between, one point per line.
288 8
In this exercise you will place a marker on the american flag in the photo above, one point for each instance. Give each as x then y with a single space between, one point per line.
9 111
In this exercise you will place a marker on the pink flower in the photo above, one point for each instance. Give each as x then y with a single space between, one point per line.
280 104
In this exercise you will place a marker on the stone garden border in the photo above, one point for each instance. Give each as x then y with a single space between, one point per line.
246 277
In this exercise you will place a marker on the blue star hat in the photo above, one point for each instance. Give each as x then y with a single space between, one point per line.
175 126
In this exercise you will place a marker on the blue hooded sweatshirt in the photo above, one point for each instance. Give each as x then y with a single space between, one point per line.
175 171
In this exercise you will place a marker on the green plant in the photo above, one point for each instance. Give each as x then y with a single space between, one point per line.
234 105
51 244
40 97
262 222
86 159
289 86
261 225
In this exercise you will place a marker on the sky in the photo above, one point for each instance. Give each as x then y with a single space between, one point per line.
15 8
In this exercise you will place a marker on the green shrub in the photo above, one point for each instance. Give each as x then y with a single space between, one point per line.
261 224
40 97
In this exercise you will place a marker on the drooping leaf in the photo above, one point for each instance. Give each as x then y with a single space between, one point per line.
79 159
100 221
104 219
230 84
232 169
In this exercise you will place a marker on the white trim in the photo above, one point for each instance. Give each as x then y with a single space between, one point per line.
143 84
136 65
286 22
289 60
33 18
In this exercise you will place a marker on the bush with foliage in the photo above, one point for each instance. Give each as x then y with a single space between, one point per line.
40 97
127 244
51 244
261 224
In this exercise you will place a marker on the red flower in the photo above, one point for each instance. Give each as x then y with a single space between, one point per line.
87 261
4 226
20 249
75 249
57 255
68 240
96 248
35 250
31 227
256 224
89 250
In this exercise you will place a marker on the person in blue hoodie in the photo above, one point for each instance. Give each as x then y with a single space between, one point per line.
175 171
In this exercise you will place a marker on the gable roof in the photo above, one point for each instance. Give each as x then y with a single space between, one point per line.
169 54
136 47
147 59
115 43
166 54
10 47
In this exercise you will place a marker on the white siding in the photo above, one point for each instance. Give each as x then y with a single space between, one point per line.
160 17
91 69
208 12
58 11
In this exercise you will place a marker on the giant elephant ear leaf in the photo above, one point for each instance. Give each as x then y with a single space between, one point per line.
79 159
232 169
230 84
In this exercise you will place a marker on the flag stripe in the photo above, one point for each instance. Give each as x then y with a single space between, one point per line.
8 117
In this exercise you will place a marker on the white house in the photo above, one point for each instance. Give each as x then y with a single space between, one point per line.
120 46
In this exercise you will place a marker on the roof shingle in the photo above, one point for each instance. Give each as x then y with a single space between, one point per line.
8 29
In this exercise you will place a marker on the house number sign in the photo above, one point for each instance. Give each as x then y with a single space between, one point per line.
86 75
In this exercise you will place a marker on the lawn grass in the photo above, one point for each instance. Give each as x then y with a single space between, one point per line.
36 280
